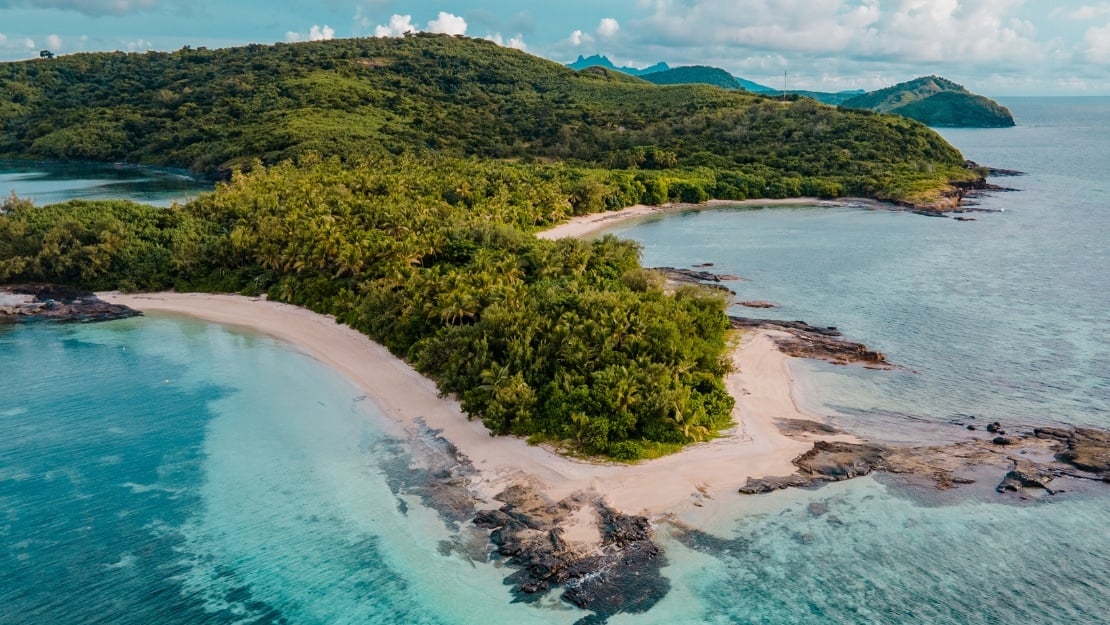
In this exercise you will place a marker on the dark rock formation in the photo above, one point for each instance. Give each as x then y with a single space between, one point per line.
621 574
1087 449
834 461
806 341
1026 474
48 302
758 303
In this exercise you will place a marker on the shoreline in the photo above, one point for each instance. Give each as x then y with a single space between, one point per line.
761 384
586 225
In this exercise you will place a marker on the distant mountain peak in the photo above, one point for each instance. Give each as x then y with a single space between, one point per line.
599 60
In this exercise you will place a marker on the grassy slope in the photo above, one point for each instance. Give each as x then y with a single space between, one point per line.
212 110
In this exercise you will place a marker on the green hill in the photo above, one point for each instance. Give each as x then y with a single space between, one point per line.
935 101
699 74
214 110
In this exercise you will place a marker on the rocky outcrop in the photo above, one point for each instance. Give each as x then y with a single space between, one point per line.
1085 449
805 341
1026 474
620 574
47 302
758 303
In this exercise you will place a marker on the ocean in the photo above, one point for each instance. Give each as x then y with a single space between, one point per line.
51 182
164 470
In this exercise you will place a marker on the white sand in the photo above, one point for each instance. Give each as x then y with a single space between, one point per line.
754 448
586 225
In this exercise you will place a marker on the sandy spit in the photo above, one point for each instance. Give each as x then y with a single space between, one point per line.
761 384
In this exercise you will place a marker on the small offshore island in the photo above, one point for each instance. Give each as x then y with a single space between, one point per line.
381 211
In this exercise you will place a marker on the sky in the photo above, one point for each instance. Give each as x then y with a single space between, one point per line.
995 47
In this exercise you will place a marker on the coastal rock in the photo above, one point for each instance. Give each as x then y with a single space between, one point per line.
758 486
835 461
620 574
1026 474
758 303
1088 449
47 302
806 341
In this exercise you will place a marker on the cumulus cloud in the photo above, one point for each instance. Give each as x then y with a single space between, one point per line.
88 7
516 42
398 25
608 27
54 42
935 31
447 24
3 40
315 33
577 38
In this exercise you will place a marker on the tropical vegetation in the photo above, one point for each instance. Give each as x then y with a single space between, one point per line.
396 184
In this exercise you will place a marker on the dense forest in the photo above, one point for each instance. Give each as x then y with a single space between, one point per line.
396 184
213 110
564 341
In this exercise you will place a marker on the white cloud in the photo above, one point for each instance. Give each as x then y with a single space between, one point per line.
3 40
578 38
933 31
1096 44
448 24
54 42
516 42
29 43
398 26
316 33
608 27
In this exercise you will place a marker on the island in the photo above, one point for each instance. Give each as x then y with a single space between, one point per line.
935 101
380 208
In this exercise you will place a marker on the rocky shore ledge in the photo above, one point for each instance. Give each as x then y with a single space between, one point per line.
47 302
1028 460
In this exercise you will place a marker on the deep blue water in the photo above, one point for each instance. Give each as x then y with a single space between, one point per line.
160 470
49 183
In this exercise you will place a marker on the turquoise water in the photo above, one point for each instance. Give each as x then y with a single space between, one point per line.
1001 318
161 470
50 183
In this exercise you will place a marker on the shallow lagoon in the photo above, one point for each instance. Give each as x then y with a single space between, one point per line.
50 183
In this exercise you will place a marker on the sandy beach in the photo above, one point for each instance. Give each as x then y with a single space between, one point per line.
586 225
760 382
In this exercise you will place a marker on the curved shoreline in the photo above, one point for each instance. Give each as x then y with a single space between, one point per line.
586 225
760 382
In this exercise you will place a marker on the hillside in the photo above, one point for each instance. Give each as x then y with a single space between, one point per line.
699 74
935 101
214 110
